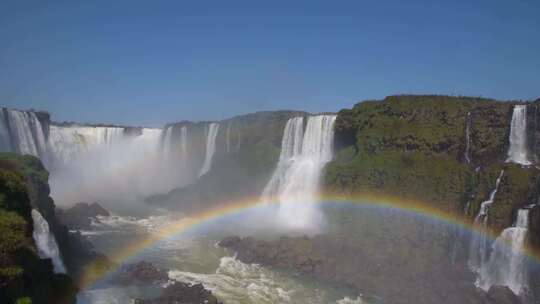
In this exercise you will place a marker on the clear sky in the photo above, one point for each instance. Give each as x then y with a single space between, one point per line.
149 62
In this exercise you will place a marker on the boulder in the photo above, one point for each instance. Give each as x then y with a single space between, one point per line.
179 292
81 214
502 295
142 272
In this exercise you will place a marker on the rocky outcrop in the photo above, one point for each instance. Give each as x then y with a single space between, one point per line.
145 273
140 273
80 215
182 293
502 295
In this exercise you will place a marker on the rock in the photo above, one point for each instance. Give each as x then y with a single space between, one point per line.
143 272
132 131
183 293
502 295
230 242
81 214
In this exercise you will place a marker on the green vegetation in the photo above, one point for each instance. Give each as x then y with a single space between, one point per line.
26 165
24 277
24 300
414 147
429 124
436 179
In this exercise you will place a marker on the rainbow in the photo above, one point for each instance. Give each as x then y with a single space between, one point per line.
96 271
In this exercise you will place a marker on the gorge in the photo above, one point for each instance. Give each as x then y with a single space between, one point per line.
411 169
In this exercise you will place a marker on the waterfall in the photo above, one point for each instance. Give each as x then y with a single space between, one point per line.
167 142
45 242
480 243
517 151
295 181
5 136
228 137
39 136
67 143
26 134
468 138
183 144
507 265
211 134
238 139
290 146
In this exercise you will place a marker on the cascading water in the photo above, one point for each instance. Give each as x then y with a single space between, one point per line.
183 144
5 136
468 138
167 142
478 254
26 134
517 151
67 143
211 134
290 147
296 179
228 137
506 265
46 243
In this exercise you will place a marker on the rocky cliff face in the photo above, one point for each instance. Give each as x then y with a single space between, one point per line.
75 250
23 275
445 151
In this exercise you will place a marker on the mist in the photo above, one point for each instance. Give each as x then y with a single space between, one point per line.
117 171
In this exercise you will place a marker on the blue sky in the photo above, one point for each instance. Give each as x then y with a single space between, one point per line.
149 62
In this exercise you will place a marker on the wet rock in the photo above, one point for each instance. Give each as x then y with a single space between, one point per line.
145 273
502 295
81 214
140 273
183 293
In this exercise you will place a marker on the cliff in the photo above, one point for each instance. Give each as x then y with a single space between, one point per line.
24 277
416 147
